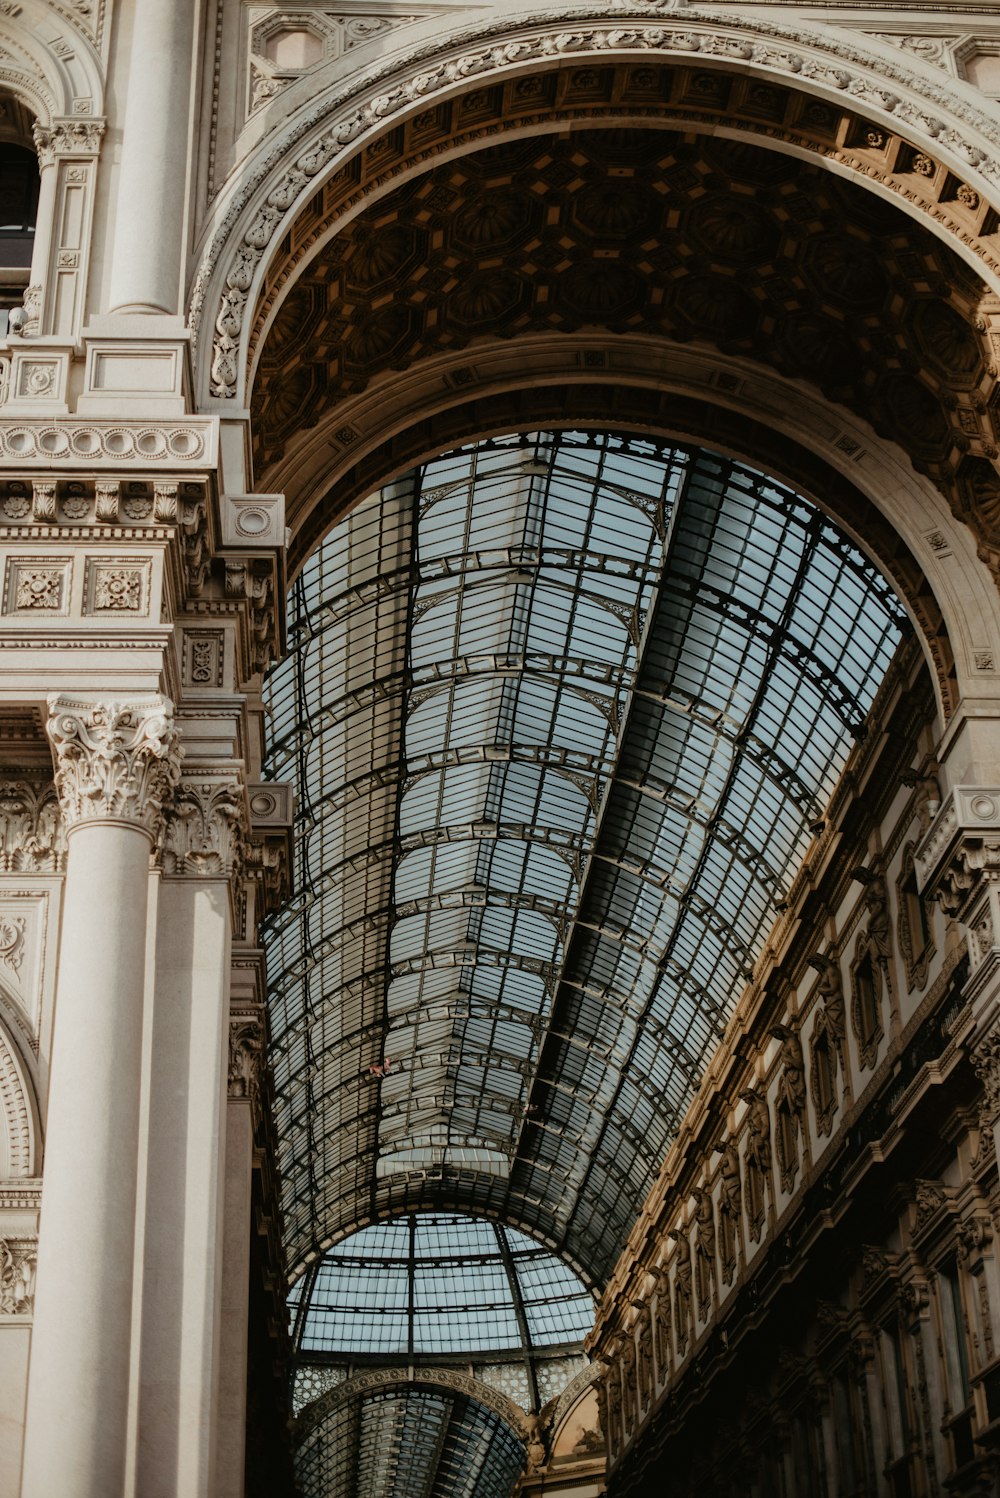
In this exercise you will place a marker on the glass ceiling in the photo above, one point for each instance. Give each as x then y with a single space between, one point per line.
559 710
422 1442
431 1285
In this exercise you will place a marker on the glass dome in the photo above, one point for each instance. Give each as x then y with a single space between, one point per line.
432 1284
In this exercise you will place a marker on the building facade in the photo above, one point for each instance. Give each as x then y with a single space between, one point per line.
328 322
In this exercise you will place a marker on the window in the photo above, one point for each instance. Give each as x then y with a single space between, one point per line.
823 1077
18 204
866 1009
916 937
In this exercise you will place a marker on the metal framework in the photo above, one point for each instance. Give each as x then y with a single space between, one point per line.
425 1441
559 710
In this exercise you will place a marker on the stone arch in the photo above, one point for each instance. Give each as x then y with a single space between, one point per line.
18 1113
378 1379
56 73
878 500
282 178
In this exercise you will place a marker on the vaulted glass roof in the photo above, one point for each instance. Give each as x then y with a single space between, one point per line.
430 1442
559 710
430 1285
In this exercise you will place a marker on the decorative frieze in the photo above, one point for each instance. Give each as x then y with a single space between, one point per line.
205 828
112 443
116 760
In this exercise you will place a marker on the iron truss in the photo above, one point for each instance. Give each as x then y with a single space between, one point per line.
559 711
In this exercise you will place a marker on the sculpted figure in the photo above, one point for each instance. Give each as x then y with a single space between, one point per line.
683 1286
732 1191
877 904
759 1131
831 990
792 1089
928 799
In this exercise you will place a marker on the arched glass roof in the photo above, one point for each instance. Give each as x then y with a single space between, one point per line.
559 710
425 1285
412 1440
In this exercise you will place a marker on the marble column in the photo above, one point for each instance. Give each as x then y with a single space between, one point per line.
183 1240
116 764
149 230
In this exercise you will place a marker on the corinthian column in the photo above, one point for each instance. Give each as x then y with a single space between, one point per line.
116 765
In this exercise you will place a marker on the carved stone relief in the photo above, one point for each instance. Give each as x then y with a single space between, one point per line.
246 1059
683 1289
18 1261
114 759
866 1000
32 835
758 1160
37 585
205 832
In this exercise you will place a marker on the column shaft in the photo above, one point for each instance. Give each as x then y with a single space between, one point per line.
231 1443
78 1385
183 1230
150 222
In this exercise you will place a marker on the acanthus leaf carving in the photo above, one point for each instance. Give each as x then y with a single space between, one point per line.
32 835
246 1059
114 759
18 1260
205 828
75 136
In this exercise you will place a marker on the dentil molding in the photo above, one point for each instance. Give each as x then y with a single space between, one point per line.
115 760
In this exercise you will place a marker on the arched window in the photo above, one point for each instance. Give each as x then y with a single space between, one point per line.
823 1077
916 935
19 184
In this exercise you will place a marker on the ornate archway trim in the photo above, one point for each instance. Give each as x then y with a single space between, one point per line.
578 1385
17 1113
57 77
378 1379
261 210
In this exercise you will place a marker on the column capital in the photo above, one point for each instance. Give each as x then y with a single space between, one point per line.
246 1059
116 760
205 825
77 135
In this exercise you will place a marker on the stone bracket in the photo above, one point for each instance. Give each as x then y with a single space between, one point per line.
961 849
